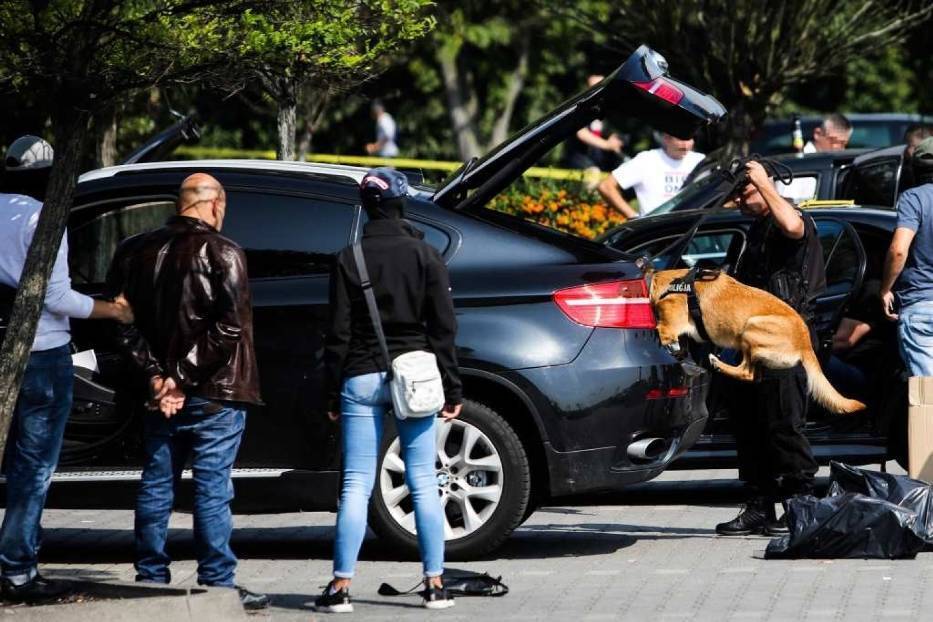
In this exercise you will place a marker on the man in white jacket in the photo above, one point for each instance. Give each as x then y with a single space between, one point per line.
45 395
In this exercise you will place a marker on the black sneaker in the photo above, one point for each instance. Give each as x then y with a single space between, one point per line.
333 602
777 527
252 601
38 589
437 598
752 519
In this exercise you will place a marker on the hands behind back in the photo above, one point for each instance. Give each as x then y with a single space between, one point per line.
166 396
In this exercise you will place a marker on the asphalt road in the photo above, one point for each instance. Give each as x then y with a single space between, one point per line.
649 554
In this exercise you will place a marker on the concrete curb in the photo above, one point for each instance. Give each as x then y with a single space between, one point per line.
135 602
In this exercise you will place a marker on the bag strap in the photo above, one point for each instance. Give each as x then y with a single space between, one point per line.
387 590
371 305
496 588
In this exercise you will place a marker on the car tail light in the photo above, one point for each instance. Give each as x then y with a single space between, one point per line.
659 87
614 304
656 394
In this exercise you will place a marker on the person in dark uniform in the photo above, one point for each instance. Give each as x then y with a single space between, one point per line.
782 256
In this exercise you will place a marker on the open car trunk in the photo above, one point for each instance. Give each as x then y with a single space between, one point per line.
640 87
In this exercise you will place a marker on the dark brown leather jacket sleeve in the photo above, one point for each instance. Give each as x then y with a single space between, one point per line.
129 338
216 347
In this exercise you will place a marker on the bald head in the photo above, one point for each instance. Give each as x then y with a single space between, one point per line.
201 196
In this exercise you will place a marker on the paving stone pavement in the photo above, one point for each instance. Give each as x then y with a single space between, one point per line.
647 554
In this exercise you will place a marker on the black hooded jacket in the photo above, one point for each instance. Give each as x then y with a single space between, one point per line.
412 290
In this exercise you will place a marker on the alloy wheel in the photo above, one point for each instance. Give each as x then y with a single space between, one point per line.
469 480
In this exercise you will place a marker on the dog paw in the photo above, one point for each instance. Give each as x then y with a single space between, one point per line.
714 361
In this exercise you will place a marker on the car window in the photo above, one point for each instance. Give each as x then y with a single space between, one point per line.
840 255
875 183
92 244
801 188
435 236
707 248
287 235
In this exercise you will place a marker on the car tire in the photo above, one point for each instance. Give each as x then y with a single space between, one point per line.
495 499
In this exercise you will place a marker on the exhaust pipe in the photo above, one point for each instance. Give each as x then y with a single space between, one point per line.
646 448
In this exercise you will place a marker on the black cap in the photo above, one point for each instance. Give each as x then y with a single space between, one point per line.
385 183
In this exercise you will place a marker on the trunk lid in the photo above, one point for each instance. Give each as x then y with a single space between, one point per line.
640 87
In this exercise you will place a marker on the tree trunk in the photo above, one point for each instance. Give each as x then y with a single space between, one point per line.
746 116
304 142
286 127
286 95
69 130
458 105
313 103
105 127
514 86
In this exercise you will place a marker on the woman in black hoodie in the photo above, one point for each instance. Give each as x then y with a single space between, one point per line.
412 290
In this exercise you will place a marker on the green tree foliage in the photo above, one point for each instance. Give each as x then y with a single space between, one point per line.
314 49
490 56
76 58
750 53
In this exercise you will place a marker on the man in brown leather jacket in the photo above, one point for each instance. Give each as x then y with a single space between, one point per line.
193 339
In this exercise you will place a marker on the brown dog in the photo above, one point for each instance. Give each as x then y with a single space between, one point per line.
764 329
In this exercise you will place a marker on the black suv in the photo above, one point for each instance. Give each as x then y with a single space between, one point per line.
567 388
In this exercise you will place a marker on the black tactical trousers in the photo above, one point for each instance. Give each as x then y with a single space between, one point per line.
768 416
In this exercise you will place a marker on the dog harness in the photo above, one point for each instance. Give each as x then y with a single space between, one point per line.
685 285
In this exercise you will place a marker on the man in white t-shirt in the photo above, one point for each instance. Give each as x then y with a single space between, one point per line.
386 133
656 176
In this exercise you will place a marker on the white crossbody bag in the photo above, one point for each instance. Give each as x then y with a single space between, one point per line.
414 379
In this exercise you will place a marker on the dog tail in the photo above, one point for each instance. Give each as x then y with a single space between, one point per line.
822 391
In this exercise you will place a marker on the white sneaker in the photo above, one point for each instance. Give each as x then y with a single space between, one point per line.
437 598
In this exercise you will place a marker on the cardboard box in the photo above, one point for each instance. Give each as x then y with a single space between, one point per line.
920 427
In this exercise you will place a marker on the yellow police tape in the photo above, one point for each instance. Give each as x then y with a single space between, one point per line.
540 172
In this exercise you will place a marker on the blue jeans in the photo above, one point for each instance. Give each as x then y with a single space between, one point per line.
211 439
915 329
32 450
363 403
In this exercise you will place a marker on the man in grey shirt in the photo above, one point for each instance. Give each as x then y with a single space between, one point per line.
908 267
44 401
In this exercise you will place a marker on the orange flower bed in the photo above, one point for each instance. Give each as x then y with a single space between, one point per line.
582 213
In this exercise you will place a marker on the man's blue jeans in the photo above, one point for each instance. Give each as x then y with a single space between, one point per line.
363 404
915 329
208 432
31 457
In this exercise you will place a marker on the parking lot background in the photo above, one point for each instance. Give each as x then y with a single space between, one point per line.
648 553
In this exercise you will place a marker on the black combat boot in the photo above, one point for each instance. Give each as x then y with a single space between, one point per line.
754 518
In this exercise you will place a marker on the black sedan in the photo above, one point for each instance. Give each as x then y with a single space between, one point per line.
854 241
567 388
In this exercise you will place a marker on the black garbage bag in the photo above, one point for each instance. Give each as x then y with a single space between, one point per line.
849 525
900 490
